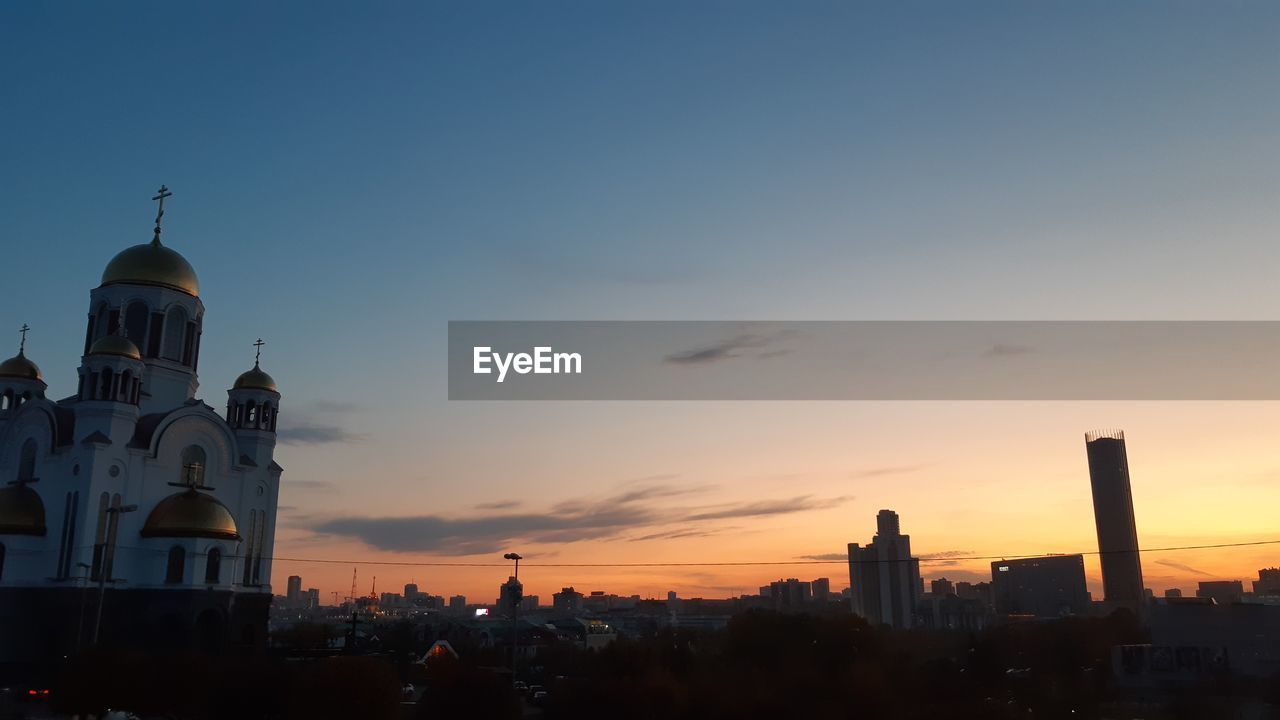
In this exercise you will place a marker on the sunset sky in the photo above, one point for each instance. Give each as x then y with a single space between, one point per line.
348 179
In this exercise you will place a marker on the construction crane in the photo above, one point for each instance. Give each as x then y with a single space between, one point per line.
352 596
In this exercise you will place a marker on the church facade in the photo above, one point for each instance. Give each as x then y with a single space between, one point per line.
132 513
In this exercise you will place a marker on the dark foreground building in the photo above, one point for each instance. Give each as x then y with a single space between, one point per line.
1046 587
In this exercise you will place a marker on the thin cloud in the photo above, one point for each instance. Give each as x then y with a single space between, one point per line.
1007 350
824 556
499 505
765 508
883 471
1179 566
614 517
729 348
308 484
304 433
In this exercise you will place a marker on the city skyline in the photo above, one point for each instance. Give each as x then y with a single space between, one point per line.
881 163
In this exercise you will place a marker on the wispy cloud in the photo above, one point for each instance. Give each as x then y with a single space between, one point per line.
323 485
618 516
824 556
1179 566
728 348
498 505
316 434
764 508
1007 350
885 470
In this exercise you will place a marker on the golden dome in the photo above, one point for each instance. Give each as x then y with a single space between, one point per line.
152 264
191 514
19 366
115 345
256 379
21 511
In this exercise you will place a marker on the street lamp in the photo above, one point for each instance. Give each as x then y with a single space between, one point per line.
84 582
516 597
108 559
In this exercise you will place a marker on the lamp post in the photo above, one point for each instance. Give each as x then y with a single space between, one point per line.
516 597
108 559
84 584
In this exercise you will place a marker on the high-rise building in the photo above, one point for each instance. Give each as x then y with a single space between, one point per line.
821 590
942 586
1047 587
790 595
458 604
884 578
1113 515
567 600
509 596
313 598
293 593
410 591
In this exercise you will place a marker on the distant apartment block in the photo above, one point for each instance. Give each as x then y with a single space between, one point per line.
1045 587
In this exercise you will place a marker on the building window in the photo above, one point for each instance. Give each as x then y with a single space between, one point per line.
213 566
27 461
175 330
177 559
193 464
135 323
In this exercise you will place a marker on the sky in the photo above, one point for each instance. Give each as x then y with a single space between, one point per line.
350 177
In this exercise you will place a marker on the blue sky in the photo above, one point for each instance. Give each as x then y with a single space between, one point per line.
350 176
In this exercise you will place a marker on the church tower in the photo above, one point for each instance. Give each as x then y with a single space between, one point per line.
133 485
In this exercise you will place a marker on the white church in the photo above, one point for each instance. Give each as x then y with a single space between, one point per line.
131 512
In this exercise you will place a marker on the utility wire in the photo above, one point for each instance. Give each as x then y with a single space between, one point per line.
744 563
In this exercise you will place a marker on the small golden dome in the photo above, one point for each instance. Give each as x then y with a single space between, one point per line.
152 264
19 366
191 514
114 344
256 379
21 511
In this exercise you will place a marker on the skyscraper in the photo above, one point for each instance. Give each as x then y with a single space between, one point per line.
294 589
884 579
1113 514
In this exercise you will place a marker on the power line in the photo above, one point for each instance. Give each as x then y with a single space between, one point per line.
743 563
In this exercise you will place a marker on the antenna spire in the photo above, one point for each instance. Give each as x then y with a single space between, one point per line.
160 196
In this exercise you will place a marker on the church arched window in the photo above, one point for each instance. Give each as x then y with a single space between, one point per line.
6 400
27 461
174 570
175 332
135 323
101 322
193 464
213 566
